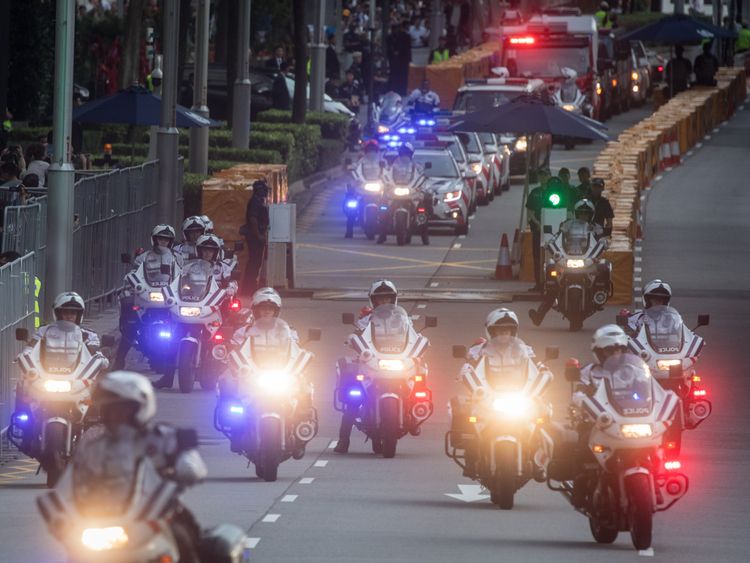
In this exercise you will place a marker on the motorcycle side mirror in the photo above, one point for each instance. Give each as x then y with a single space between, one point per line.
239 246
622 321
125 258
108 341
314 334
427 165
22 334
347 318
459 352
551 353
547 229
430 322
703 320
572 371
675 371
187 439
165 269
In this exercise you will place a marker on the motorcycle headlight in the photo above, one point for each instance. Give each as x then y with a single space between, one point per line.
156 297
383 129
522 144
452 196
391 365
634 75
636 430
569 107
57 386
104 539
476 167
512 405
275 382
401 191
664 365
190 311
574 263
373 187
599 89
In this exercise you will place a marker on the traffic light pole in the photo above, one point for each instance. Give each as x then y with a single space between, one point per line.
168 138
199 135
242 86
318 56
61 193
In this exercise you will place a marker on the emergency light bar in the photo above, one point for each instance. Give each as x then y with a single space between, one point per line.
522 40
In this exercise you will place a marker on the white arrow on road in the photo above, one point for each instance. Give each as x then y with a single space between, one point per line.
469 493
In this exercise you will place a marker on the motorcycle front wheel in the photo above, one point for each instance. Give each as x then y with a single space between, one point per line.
270 450
504 486
575 311
401 228
186 366
389 427
55 446
640 510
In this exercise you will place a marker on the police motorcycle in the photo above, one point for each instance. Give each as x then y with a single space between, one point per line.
570 98
389 389
495 437
404 206
671 351
364 192
389 114
265 404
576 273
621 478
58 372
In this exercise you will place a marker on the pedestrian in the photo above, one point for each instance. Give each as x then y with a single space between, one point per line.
9 172
451 41
417 32
603 212
678 72
36 163
333 67
280 90
351 91
356 67
255 231
30 181
603 17
399 58
706 65
441 53
584 188
278 60
534 204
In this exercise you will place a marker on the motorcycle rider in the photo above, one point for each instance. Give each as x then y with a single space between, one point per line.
500 326
583 212
104 458
368 168
192 229
382 292
208 248
656 292
423 97
162 243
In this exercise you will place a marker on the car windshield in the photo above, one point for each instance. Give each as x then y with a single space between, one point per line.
390 328
663 328
487 138
629 385
195 280
575 237
442 166
506 365
61 347
482 100
547 61
455 149
390 107
155 275
470 141
270 343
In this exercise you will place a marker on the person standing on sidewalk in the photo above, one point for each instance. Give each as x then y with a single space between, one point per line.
255 231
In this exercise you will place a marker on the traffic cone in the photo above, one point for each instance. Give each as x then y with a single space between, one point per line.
674 147
503 270
666 155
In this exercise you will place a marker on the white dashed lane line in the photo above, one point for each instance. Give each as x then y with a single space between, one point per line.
321 463
434 284
306 480
422 306
289 498
271 518
251 543
333 444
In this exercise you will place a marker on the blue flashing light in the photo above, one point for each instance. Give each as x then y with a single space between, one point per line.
165 334
430 122
351 204
402 130
422 122
395 143
636 397
426 122
384 208
22 418
386 137
411 130
236 409
355 392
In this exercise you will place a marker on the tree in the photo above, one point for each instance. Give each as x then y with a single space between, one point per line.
130 69
299 104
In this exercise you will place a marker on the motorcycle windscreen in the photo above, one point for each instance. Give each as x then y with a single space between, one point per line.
195 280
506 362
371 168
629 385
390 107
569 91
664 329
575 237
61 347
402 171
152 268
390 329
270 343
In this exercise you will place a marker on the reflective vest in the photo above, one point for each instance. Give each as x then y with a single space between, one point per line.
37 291
600 16
439 56
7 125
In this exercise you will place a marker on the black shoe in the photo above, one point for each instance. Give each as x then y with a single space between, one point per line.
535 317
416 431
299 452
164 382
342 447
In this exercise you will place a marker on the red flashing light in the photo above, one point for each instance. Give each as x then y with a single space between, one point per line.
699 393
696 378
420 210
673 465
421 394
522 40
573 363
660 68
671 445
235 305
136 308
218 337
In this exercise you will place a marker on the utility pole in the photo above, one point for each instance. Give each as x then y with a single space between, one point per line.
168 138
61 193
436 23
199 135
371 68
318 56
241 98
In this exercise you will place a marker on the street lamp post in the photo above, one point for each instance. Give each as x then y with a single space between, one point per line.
168 138
318 57
242 86
199 135
60 196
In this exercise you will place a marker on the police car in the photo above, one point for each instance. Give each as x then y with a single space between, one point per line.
450 191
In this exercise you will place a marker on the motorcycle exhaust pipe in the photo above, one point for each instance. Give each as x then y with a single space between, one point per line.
305 431
697 413
421 411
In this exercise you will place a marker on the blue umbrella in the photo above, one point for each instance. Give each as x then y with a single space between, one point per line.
135 106
678 28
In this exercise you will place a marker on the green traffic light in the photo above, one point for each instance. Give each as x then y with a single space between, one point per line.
554 199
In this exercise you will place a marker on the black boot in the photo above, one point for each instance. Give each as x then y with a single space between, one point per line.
122 352
164 382
535 317
342 446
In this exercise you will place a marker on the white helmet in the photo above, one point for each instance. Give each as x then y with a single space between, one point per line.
163 230
584 205
267 295
501 317
208 241
71 301
568 73
656 288
193 223
608 336
383 287
208 223
127 387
